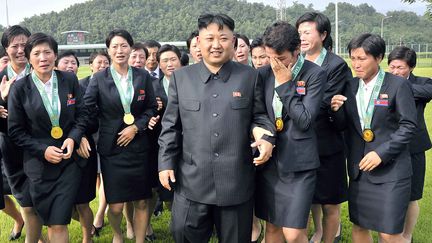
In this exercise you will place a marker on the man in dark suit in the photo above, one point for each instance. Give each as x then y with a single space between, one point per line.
379 117
152 65
402 61
331 187
213 107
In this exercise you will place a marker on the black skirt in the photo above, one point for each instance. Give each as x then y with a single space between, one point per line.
331 186
54 199
126 176
418 161
286 201
87 187
15 181
379 207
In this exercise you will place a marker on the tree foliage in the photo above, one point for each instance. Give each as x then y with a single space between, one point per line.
173 20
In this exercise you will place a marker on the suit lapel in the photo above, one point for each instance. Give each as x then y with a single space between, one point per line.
36 101
352 106
383 90
63 93
112 89
269 88
136 81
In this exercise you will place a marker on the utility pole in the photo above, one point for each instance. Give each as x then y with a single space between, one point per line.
7 15
281 9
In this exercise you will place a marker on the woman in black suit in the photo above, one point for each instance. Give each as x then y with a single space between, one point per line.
45 120
126 102
402 61
286 184
379 116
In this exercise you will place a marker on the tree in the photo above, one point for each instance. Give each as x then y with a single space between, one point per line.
428 6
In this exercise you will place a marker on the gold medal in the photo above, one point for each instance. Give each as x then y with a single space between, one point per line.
128 119
368 135
279 124
56 132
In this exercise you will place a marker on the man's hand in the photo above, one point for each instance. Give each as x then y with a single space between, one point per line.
337 102
84 149
126 135
3 112
68 144
282 74
265 148
165 177
159 103
5 87
53 154
153 121
258 132
370 161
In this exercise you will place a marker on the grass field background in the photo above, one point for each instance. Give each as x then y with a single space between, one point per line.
422 234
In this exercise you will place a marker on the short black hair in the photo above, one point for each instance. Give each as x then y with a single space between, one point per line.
99 53
38 39
184 59
13 32
138 46
243 37
192 35
205 20
257 42
168 47
3 52
372 45
405 54
151 44
328 43
67 54
323 24
281 36
119 32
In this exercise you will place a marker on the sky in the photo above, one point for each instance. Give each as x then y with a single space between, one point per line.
20 9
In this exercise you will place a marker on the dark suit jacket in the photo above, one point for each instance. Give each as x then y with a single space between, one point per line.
30 126
3 121
393 126
330 139
296 145
102 92
422 88
154 134
206 131
92 128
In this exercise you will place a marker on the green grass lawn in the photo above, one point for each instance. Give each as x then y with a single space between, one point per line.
422 234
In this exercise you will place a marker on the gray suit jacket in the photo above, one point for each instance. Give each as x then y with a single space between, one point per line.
206 132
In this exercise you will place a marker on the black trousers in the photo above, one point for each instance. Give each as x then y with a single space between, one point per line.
194 222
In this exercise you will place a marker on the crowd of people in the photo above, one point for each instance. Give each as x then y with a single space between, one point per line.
269 131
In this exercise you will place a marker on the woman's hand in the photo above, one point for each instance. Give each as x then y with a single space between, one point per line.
5 87
84 149
126 135
53 154
153 121
68 144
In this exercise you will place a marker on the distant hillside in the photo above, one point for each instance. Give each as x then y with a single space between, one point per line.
173 20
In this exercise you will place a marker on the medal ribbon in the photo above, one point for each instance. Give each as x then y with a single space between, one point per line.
277 103
50 107
367 112
319 61
125 95
11 73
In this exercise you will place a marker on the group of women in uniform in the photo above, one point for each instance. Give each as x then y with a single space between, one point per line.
50 120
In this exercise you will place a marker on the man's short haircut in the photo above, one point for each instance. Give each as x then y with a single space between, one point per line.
405 54
372 45
192 35
119 32
205 20
281 36
38 39
151 44
13 32
184 59
67 54
322 22
168 47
